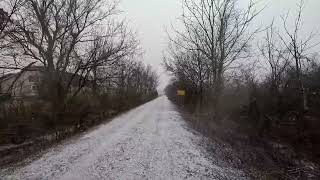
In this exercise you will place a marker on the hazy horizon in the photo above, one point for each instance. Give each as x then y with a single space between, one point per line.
151 18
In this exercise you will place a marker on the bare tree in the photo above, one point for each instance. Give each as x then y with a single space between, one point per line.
7 51
118 43
53 33
6 14
218 29
277 58
190 66
298 48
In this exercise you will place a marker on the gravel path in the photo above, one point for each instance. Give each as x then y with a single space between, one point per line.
149 142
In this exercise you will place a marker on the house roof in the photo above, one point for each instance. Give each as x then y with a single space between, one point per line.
7 76
68 75
35 68
11 75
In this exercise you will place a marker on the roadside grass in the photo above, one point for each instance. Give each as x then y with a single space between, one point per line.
258 157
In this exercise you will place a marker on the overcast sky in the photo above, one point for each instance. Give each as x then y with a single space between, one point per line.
151 17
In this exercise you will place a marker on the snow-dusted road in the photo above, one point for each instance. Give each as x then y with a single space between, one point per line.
149 142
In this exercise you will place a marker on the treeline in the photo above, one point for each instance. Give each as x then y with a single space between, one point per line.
270 91
87 57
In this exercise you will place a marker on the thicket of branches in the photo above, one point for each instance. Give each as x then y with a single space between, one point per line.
215 38
87 54
214 59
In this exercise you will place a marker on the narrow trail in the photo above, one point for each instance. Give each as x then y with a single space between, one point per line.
149 142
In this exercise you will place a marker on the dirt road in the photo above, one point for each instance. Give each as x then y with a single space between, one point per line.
149 142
